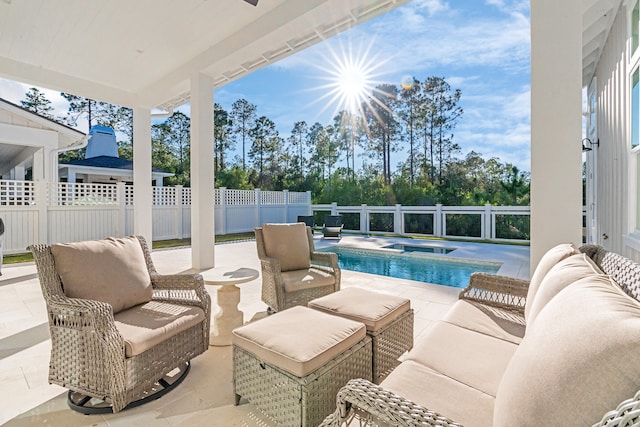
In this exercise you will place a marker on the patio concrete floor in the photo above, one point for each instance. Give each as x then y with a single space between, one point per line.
205 398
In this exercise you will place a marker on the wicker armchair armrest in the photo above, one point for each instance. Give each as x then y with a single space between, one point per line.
66 312
502 292
328 259
377 406
271 266
182 289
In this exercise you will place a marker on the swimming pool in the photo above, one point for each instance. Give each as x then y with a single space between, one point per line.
416 248
422 268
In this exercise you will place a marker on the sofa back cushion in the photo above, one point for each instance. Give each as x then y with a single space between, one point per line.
113 271
561 275
577 361
548 260
289 244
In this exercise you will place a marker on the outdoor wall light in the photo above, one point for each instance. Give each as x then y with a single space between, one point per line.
589 147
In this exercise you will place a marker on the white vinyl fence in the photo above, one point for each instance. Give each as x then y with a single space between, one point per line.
34 212
499 223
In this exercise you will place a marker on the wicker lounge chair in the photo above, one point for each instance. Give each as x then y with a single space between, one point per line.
292 272
332 226
119 347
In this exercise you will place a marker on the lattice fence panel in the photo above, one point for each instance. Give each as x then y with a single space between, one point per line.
17 193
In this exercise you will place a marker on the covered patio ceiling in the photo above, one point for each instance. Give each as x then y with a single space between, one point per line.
143 53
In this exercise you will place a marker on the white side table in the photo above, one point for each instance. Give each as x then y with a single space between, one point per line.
228 317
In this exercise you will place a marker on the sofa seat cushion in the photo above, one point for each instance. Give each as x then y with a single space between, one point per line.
561 275
433 390
299 340
472 358
376 310
578 360
548 260
484 319
112 270
307 278
147 325
289 244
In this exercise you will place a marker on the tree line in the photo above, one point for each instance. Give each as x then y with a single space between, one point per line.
416 118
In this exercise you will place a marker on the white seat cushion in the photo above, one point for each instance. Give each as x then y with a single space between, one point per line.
305 279
147 325
374 309
299 340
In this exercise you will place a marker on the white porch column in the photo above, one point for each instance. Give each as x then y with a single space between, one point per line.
556 107
18 173
202 177
39 165
142 191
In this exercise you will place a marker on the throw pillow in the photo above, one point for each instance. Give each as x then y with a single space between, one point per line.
549 259
578 361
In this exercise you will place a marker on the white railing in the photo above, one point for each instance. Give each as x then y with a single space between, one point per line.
499 223
34 212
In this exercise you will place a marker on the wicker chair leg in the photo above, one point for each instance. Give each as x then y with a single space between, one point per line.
88 406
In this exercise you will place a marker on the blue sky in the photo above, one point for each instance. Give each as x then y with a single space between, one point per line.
479 47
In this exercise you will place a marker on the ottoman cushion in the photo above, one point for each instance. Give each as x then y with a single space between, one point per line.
299 340
374 309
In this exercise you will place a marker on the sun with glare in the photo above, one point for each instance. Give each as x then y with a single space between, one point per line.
352 85
350 73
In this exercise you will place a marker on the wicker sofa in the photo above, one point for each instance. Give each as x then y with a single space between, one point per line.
118 328
561 349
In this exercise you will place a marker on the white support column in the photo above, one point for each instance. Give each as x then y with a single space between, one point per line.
18 173
38 167
202 176
142 189
556 107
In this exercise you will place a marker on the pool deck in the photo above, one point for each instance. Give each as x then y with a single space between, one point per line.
205 398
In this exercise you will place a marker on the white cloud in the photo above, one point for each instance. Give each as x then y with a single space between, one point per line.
14 92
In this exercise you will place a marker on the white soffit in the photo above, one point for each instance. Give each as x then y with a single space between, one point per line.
143 52
597 20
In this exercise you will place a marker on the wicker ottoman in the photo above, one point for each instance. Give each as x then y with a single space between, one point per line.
291 364
389 321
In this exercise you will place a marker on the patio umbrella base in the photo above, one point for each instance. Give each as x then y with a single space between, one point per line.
91 405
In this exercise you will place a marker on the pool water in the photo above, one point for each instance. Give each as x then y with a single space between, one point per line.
449 272
415 248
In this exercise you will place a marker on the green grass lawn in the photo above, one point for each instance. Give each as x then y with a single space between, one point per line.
159 244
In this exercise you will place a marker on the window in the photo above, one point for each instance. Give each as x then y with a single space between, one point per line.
635 108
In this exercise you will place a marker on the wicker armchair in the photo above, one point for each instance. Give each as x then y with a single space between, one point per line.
90 344
285 283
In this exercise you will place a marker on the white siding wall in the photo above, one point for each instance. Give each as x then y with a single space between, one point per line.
613 173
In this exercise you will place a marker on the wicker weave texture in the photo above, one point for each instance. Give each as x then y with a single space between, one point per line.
87 351
273 292
389 343
376 406
294 401
502 292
